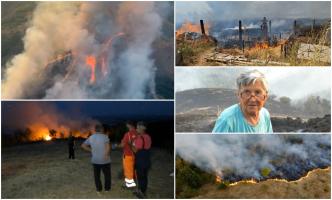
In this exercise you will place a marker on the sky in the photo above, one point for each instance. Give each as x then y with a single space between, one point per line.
228 10
97 108
296 82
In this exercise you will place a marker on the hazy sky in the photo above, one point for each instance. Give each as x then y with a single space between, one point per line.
296 82
227 10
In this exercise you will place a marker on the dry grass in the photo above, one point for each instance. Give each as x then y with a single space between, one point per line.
42 170
316 185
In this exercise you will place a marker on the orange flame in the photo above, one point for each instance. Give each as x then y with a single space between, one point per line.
261 45
189 27
47 138
91 61
218 179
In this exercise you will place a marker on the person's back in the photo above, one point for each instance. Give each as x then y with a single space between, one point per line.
99 146
99 150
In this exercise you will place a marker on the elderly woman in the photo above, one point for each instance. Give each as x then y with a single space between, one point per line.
248 115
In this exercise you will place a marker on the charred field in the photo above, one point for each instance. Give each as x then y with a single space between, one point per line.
42 170
249 166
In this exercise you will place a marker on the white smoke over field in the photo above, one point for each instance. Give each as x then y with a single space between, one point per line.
236 157
99 50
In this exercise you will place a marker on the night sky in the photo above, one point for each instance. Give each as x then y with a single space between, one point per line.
95 108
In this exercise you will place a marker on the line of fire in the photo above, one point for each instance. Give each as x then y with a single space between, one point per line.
304 42
253 166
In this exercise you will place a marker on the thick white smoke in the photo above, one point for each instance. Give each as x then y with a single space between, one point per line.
246 155
85 29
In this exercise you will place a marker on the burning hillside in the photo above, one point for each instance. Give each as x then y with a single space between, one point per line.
35 121
90 50
256 158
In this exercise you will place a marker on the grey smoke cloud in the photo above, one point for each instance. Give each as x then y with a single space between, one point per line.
248 154
295 83
83 28
234 10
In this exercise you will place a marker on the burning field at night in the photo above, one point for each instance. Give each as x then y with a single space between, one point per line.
34 138
253 166
253 34
113 50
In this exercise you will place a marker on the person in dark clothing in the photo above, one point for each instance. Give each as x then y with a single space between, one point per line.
71 146
141 146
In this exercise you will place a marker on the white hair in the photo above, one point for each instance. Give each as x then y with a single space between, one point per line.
250 77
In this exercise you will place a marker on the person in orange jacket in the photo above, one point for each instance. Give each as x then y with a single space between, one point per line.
128 160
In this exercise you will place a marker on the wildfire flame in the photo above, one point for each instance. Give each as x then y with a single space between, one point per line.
91 62
189 27
253 181
261 45
47 138
218 179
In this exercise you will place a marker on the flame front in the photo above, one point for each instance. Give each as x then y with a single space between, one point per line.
91 62
218 179
189 27
47 138
261 45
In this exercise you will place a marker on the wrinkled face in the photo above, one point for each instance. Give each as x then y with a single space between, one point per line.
252 98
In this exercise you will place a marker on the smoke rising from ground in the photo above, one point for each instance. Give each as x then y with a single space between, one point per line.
119 34
246 155
296 83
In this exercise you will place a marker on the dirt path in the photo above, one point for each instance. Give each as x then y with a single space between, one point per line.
42 170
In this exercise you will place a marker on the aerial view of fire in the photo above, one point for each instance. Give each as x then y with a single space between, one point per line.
80 50
253 166
253 33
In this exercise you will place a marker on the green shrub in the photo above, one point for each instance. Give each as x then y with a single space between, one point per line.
265 171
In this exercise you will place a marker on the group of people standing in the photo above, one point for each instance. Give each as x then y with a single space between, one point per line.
136 144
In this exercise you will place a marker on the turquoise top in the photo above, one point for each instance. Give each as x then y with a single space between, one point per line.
232 120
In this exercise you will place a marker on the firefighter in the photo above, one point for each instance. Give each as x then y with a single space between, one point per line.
141 146
128 159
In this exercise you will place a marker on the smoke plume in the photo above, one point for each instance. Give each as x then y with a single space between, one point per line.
287 156
86 50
